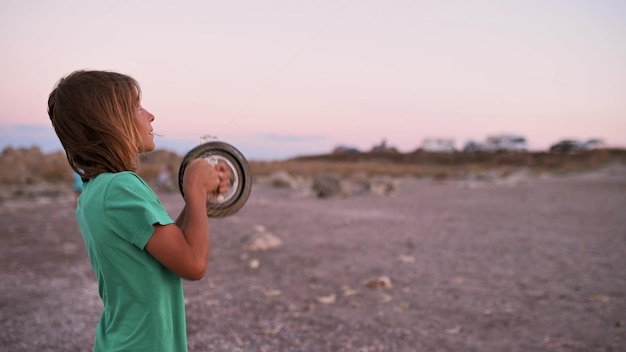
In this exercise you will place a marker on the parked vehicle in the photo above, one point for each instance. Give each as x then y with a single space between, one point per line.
506 142
567 146
474 146
595 143
438 145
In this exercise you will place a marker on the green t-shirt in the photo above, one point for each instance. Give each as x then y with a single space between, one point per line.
144 306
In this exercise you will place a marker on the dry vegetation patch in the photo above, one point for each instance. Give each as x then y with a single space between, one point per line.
26 166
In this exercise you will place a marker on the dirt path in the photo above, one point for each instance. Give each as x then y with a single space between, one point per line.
520 265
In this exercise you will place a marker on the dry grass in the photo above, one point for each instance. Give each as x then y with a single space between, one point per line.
441 165
346 168
30 165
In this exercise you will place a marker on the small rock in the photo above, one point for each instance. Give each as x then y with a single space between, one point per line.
327 186
407 259
261 240
347 291
382 185
272 293
600 298
379 282
330 299
282 179
254 264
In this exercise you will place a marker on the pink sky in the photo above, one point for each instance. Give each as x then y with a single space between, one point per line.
283 78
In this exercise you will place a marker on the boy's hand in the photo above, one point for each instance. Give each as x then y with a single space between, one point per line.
200 176
224 174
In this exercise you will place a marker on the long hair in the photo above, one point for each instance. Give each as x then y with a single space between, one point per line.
93 114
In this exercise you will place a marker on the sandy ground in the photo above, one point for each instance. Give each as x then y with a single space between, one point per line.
523 264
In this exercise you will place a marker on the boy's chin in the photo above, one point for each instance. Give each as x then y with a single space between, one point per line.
148 148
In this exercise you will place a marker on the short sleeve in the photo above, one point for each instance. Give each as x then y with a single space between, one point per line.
132 209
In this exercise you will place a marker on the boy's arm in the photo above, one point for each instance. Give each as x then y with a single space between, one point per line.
181 217
184 247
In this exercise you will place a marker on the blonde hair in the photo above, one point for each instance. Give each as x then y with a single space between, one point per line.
93 114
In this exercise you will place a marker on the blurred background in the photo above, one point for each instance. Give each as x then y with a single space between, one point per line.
281 78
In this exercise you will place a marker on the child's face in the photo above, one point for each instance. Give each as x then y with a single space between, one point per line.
144 123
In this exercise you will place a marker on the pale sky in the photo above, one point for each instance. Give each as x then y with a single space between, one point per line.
283 78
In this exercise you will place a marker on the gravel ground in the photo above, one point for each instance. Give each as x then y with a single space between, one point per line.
522 264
